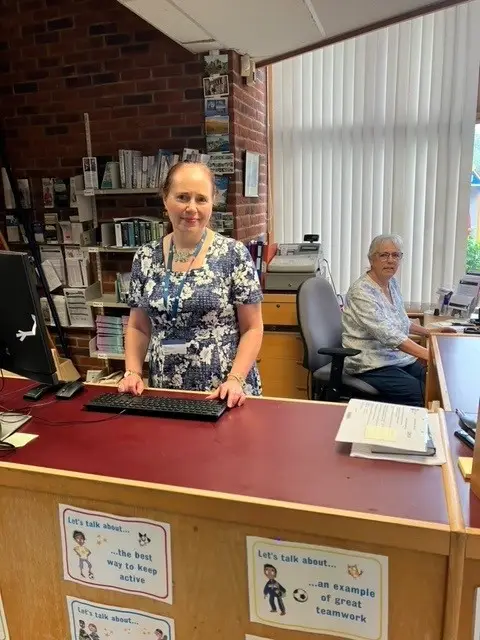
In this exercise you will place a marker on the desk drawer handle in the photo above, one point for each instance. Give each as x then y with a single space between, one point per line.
278 306
301 388
258 360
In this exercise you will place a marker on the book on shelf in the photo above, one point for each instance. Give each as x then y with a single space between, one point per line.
138 171
133 231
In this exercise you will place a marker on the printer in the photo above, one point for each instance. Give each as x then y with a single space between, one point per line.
293 264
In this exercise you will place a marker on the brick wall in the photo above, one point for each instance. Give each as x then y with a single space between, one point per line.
62 58
248 122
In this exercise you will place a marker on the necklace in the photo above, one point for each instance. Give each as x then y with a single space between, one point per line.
184 255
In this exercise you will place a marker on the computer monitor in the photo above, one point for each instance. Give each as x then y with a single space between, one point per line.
25 347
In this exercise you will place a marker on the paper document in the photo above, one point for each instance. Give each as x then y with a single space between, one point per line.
51 275
381 424
437 459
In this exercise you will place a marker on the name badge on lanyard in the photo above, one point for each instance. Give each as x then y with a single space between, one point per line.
176 347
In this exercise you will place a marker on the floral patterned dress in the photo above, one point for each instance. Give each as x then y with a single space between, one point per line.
206 320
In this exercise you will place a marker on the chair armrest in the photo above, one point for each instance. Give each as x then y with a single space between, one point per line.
339 351
338 355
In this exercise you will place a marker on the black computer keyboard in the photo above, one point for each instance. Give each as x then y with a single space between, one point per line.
158 406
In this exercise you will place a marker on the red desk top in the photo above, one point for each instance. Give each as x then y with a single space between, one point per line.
468 500
460 356
266 449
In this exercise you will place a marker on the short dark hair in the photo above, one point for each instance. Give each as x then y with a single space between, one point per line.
78 533
269 566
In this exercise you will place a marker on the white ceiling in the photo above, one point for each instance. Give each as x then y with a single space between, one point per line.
266 29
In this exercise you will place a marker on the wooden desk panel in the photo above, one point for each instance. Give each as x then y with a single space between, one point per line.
458 371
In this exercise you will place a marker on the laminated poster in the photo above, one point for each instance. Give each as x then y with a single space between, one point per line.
131 555
94 621
3 623
318 589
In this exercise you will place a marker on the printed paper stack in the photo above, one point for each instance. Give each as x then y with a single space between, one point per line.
384 431
110 334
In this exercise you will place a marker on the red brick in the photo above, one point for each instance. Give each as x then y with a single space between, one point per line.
157 84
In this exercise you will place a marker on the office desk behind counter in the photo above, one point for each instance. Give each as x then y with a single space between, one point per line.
281 356
268 470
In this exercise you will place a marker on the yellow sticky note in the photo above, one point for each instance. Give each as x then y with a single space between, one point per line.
382 434
20 439
465 465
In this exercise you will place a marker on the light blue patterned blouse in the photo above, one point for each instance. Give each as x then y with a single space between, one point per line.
374 325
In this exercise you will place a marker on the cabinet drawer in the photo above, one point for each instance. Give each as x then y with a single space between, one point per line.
280 313
283 378
280 344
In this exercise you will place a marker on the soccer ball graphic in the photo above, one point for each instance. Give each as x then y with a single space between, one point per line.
300 595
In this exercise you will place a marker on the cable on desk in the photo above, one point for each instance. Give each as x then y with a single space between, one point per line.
53 423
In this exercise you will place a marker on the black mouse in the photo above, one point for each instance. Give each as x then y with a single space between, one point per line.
69 390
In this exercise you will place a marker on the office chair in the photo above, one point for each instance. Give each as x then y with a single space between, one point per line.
320 320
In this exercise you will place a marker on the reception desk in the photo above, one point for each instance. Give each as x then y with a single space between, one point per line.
453 376
270 469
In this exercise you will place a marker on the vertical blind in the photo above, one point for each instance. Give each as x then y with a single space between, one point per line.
375 135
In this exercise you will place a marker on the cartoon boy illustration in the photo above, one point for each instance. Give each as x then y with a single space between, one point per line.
274 590
83 553
82 634
92 628
160 635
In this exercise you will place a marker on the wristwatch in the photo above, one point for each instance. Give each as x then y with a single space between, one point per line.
131 373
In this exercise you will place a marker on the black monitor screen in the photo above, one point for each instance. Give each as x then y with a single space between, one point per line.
24 344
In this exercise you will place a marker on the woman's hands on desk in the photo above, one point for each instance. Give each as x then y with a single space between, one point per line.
448 330
132 383
232 391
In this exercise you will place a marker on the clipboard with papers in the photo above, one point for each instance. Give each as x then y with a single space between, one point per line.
379 430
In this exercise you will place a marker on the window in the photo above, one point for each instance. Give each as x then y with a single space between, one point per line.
473 241
374 135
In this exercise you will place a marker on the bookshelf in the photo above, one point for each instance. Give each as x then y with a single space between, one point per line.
121 192
107 301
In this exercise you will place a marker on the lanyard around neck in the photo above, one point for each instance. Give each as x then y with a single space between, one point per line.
166 283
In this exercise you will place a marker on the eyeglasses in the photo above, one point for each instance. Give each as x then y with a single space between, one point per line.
396 255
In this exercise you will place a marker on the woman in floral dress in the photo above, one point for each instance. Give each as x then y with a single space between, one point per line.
195 301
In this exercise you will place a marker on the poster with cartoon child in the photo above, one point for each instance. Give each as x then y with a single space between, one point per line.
3 623
132 555
95 621
318 589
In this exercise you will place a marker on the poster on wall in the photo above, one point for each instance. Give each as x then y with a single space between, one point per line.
318 589
216 65
94 621
131 555
4 635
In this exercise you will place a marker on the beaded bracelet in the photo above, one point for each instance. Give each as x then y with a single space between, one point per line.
240 379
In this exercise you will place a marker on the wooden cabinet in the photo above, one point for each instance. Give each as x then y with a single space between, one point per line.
281 355
280 366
